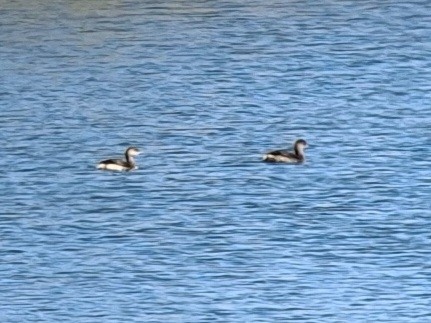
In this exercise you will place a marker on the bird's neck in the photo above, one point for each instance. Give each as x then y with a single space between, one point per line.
299 151
130 160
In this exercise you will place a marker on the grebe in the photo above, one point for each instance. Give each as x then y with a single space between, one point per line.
284 156
119 164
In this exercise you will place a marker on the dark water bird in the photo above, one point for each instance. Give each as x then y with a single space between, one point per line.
283 156
120 164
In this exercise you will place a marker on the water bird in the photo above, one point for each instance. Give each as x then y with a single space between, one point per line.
284 156
120 164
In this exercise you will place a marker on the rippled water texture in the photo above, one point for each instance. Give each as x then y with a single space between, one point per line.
204 231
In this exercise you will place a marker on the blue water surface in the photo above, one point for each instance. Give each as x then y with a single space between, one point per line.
204 231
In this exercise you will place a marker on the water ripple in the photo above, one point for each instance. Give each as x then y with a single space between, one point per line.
204 231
